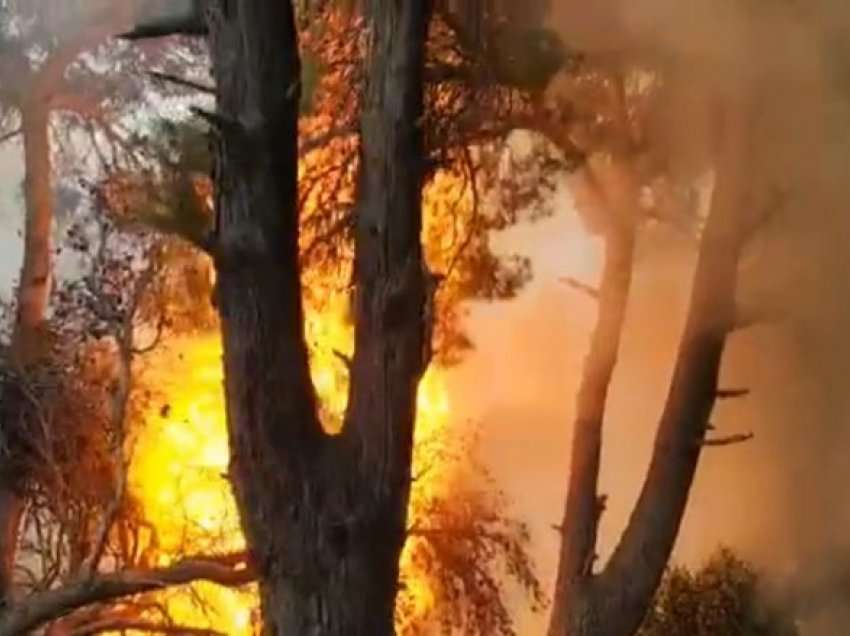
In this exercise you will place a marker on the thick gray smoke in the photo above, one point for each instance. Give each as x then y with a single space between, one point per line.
783 499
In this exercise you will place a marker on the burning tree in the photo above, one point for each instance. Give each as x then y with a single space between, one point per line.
339 500
50 71
83 540
475 524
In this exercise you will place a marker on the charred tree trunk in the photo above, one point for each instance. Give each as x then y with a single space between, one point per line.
614 601
324 516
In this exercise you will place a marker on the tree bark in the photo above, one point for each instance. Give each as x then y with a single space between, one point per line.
584 505
614 602
32 298
324 516
35 101
35 278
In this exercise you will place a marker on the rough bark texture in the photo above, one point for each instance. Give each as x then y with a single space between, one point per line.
614 601
325 516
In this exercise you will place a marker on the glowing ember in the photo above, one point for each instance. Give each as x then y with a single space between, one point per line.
181 455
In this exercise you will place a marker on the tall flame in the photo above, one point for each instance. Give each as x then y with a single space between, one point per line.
180 461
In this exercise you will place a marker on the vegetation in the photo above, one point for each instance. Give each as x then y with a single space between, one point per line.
317 226
722 598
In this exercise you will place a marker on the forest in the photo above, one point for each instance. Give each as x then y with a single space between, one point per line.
424 317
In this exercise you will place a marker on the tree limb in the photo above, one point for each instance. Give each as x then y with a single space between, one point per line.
727 441
181 81
576 284
41 607
121 625
10 135
728 394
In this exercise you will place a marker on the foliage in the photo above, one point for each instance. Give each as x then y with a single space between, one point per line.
722 598
480 181
471 553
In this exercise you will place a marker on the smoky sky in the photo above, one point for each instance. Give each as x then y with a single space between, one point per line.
782 499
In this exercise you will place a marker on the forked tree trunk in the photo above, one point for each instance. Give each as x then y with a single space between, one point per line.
325 517
614 601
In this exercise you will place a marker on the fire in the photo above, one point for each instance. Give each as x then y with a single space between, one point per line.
180 460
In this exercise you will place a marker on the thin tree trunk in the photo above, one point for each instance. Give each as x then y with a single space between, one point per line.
32 298
34 285
324 516
584 505
35 278
614 602
11 510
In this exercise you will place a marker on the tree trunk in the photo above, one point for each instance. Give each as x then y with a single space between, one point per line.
614 602
35 278
324 516
32 299
584 505
11 510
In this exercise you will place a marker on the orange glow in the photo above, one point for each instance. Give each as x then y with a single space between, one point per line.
180 460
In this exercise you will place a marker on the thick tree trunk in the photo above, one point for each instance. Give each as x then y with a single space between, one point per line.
324 516
614 602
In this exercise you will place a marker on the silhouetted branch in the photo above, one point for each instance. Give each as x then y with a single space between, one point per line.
580 286
727 394
180 81
41 607
727 441
10 135
113 625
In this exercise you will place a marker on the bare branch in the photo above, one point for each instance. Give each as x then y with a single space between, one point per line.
346 360
472 183
589 290
217 122
180 81
230 570
727 441
727 394
120 625
10 135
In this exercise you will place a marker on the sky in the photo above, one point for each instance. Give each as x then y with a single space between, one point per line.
11 215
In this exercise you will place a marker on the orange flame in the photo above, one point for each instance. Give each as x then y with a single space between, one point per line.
180 460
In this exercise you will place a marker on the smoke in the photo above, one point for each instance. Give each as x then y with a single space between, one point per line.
781 500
